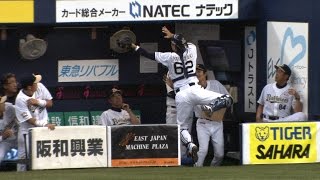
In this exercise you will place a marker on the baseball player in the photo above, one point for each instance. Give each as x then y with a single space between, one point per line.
30 106
279 99
9 87
119 113
171 116
210 128
182 70
8 128
8 123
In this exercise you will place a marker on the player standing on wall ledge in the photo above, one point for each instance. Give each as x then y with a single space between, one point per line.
182 70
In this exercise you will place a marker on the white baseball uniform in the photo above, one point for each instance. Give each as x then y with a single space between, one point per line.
171 113
115 116
8 120
278 104
185 83
210 130
171 118
24 113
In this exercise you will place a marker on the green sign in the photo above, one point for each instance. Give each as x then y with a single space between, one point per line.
77 118
95 117
138 114
56 118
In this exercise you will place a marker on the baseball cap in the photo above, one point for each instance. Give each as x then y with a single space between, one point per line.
29 80
201 67
113 91
285 68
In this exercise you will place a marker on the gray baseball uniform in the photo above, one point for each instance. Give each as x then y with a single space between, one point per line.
278 104
210 130
8 120
171 113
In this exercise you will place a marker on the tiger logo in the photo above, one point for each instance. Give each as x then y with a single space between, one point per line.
262 133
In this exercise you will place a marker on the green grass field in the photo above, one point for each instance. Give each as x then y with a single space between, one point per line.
285 171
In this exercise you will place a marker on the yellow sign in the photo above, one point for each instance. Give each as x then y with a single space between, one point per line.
12 11
283 143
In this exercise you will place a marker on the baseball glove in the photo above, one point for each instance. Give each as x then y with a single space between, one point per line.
125 43
121 41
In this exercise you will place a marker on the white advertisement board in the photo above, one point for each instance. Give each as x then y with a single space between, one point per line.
287 43
250 68
144 10
68 147
88 70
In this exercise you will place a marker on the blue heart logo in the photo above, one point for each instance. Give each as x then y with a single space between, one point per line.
251 38
299 40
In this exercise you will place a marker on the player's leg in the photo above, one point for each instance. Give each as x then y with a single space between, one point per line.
184 119
4 148
21 166
212 101
203 139
217 141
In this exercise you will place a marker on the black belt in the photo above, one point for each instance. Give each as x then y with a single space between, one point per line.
271 117
190 84
173 106
183 77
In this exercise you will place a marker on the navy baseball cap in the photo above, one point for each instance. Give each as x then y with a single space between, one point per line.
113 91
201 67
29 80
285 68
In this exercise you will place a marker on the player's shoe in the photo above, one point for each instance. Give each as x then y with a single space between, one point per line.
224 101
193 152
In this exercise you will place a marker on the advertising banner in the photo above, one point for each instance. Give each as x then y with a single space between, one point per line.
276 143
56 118
143 145
76 118
88 70
144 10
287 43
68 147
250 69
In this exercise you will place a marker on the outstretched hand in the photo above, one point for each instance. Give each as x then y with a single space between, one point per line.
168 34
133 46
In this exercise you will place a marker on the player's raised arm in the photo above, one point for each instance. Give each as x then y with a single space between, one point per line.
143 52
